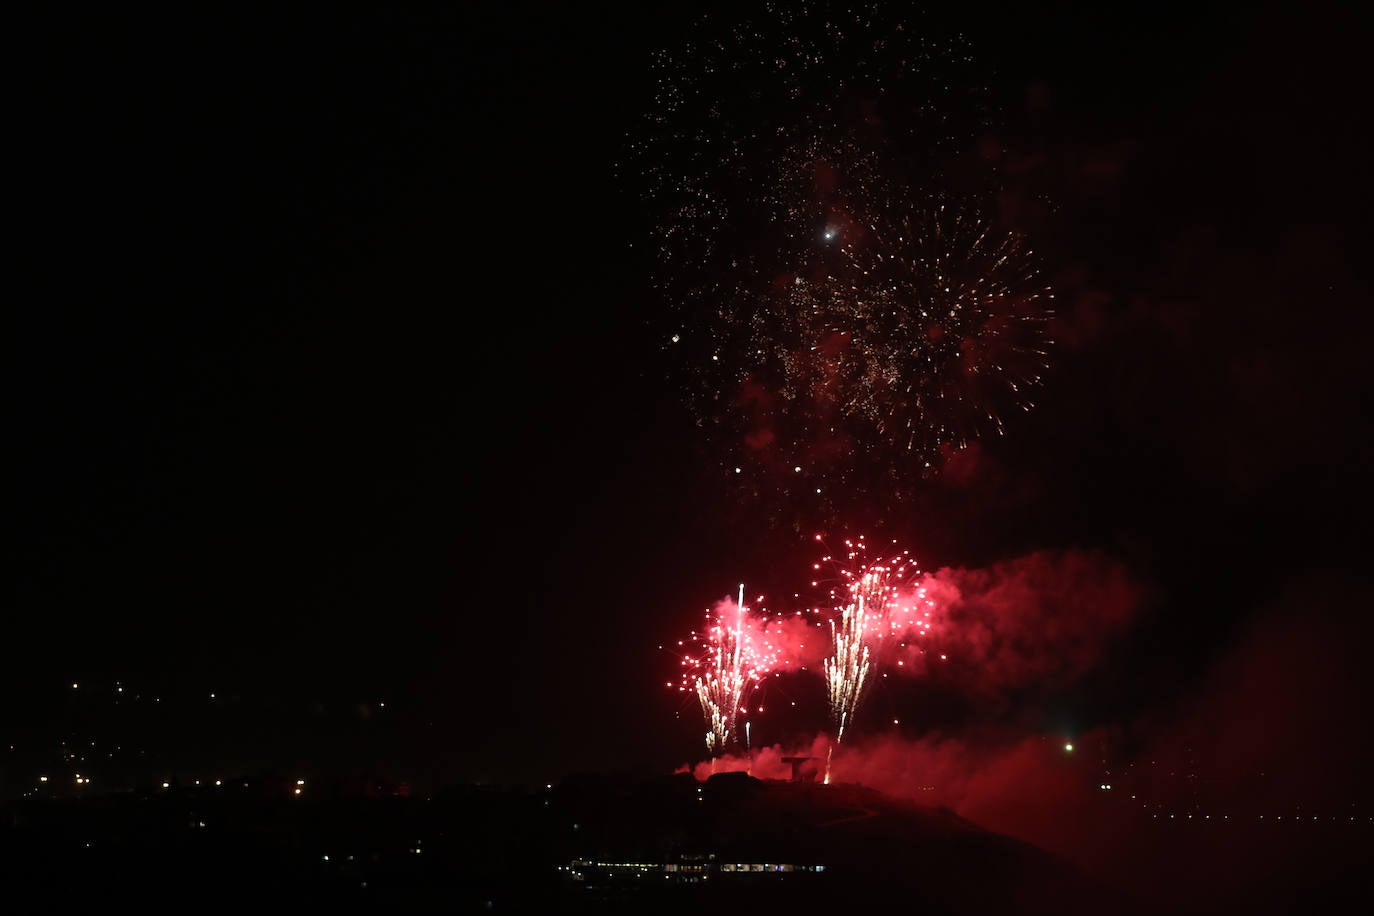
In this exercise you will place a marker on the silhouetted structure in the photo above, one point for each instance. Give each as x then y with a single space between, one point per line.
798 774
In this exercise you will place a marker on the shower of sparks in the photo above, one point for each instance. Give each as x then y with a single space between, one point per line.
877 609
950 323
896 608
729 661
872 602
771 162
930 333
766 130
847 669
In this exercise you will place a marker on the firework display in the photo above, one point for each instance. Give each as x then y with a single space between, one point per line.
844 304
842 309
877 608
729 660
869 607
765 131
950 329
889 587
847 669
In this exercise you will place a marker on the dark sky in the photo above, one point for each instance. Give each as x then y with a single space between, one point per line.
334 378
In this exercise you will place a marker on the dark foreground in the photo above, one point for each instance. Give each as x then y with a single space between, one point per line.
594 845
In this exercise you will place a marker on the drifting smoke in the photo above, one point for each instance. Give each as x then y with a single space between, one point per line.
1038 622
1018 786
765 762
1042 620
1034 624
1274 727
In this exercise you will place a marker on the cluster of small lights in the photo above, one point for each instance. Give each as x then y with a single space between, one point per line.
578 868
1273 819
75 753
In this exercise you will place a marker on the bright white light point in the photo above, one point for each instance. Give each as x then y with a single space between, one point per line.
217 782
75 686
300 782
736 470
166 785
676 338
797 469
1068 747
42 779
830 233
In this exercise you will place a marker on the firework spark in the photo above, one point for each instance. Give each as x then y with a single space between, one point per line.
859 382
847 669
771 128
877 608
950 322
736 652
773 145
890 587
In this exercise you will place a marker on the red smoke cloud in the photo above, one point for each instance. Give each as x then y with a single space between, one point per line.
1038 621
1043 619
1031 788
766 762
1274 727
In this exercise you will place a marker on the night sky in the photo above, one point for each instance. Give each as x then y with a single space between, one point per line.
337 378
